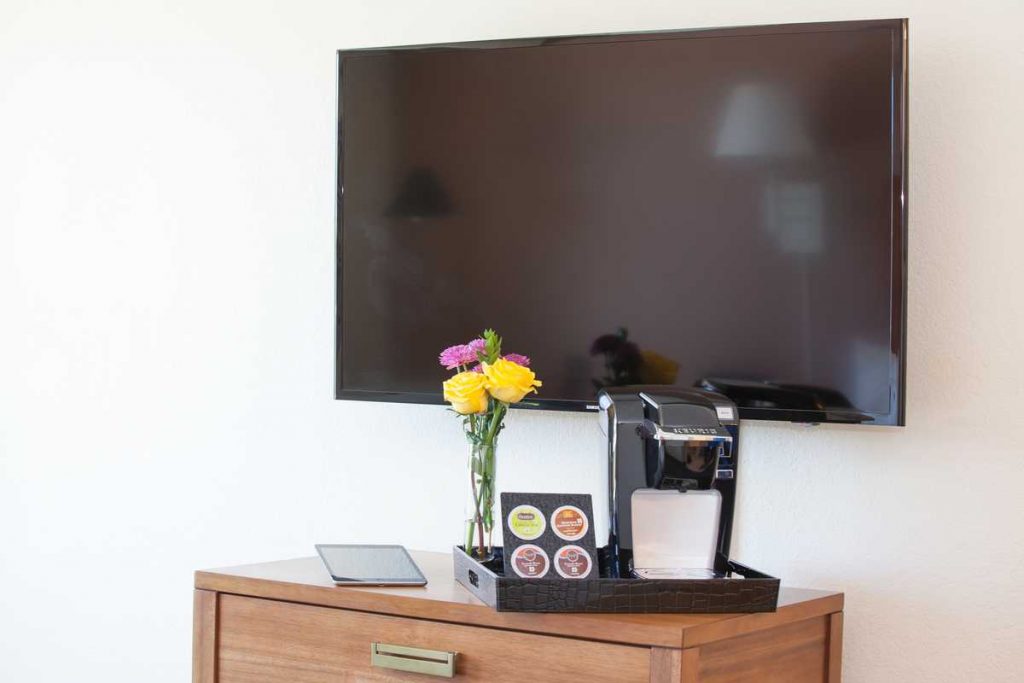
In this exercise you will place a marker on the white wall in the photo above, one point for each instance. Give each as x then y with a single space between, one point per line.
166 292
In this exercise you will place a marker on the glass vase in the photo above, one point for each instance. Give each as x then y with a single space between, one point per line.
479 519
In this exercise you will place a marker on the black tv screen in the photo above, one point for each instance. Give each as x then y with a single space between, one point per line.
722 208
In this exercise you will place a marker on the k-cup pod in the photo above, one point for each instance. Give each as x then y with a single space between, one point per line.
573 562
530 561
526 522
569 523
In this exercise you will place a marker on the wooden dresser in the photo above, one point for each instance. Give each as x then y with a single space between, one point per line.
285 622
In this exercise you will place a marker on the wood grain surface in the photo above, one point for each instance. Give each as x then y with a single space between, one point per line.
835 647
666 665
306 581
264 641
204 636
791 653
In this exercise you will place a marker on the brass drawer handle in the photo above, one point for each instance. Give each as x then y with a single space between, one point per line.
414 659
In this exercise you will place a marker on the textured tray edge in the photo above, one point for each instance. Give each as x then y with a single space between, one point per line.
649 597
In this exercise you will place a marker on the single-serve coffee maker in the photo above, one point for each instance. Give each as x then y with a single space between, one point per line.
671 479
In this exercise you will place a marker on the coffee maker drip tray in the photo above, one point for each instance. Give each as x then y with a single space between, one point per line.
675 530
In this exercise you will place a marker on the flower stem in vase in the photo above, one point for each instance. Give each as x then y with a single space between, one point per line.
479 518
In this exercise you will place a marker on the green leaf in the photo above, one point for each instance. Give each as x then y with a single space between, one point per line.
492 351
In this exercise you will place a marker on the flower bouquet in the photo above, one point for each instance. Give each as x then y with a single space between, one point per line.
486 384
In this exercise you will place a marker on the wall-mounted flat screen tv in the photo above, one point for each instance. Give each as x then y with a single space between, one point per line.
722 208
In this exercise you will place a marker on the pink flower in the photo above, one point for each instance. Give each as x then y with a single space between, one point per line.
477 368
461 354
518 359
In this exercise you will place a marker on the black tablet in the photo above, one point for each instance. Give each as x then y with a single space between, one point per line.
370 565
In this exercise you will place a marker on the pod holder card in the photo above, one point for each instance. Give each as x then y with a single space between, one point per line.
549 536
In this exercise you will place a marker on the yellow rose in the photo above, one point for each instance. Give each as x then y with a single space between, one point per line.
467 392
508 381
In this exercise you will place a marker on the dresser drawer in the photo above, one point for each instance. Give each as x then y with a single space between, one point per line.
265 641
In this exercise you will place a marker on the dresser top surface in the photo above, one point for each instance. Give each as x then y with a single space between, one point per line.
306 580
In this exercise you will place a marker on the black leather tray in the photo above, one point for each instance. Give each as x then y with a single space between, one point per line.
755 592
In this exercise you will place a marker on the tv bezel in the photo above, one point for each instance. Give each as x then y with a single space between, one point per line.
898 29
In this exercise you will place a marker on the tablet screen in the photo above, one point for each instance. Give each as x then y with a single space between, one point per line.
370 564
